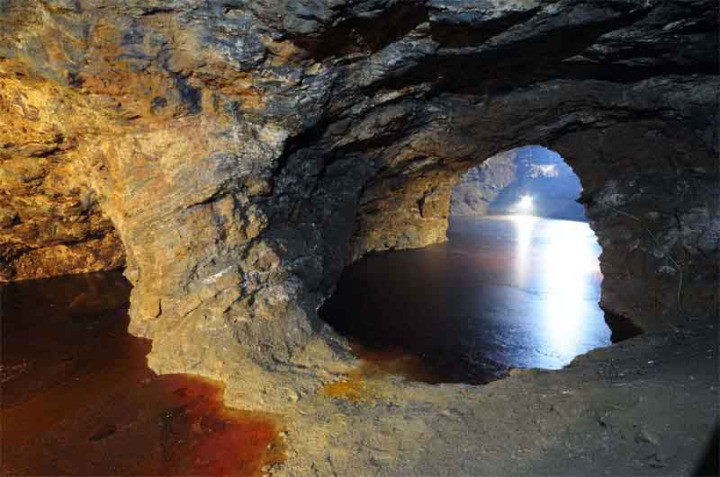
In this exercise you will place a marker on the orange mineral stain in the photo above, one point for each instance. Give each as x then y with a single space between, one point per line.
353 388
78 398
394 361
360 384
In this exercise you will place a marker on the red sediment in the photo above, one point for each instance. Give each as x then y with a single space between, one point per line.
78 398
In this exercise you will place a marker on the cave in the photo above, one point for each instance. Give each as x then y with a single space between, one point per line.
515 286
232 158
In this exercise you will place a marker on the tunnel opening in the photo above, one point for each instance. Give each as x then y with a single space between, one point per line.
517 284
529 180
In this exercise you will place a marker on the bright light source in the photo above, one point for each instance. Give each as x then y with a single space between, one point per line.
525 206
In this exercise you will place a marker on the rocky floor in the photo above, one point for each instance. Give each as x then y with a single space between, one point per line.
646 406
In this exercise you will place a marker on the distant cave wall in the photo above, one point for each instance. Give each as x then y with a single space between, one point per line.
47 233
50 222
496 186
396 214
481 185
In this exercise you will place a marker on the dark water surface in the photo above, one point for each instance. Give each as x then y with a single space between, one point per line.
79 399
503 292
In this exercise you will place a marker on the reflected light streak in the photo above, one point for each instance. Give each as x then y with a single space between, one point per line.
569 266
524 225
558 260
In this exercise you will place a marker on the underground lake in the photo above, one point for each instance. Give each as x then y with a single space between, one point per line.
79 399
502 292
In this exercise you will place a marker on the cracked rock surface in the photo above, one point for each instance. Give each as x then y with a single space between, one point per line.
236 155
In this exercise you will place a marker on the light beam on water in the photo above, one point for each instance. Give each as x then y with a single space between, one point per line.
516 291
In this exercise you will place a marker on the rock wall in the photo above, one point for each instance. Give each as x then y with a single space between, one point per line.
656 233
483 184
49 223
244 151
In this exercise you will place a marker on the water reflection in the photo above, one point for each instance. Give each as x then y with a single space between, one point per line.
524 226
563 258
79 399
502 292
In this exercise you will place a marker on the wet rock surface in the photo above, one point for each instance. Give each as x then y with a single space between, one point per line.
245 152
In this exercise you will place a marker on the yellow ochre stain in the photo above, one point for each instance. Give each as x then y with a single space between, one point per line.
352 388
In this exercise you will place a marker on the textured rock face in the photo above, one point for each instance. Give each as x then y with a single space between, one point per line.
49 223
482 185
244 151
660 273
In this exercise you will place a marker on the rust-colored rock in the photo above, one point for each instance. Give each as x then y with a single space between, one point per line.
50 221
241 166
244 152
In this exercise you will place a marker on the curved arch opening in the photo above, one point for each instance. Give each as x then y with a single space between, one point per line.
517 284
530 180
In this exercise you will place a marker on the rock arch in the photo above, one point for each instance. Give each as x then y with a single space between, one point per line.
246 151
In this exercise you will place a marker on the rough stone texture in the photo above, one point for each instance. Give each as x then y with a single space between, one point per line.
658 275
483 184
244 151
49 224
644 407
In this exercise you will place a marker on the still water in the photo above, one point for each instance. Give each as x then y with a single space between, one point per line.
503 292
79 399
